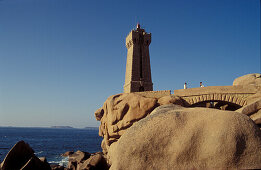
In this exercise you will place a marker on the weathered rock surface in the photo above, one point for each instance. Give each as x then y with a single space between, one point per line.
248 79
185 138
119 112
250 108
256 117
84 160
170 100
79 156
21 156
76 158
68 153
253 110
255 97
36 163
95 162
18 156
44 163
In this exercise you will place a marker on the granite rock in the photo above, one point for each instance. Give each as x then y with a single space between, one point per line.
188 138
22 156
18 156
254 79
119 112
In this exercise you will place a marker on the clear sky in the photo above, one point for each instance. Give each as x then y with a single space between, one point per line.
61 59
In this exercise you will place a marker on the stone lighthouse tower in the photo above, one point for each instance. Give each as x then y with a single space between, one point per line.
138 73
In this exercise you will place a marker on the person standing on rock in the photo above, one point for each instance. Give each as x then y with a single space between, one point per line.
185 85
200 84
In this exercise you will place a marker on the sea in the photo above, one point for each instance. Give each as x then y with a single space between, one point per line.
51 142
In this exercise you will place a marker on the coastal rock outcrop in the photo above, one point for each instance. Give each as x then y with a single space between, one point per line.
253 107
123 111
36 163
254 79
77 158
17 156
96 162
255 97
84 160
172 137
120 111
253 110
21 156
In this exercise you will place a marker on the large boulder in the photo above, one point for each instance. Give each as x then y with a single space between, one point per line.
95 162
18 156
22 156
255 97
253 110
77 158
254 79
188 138
84 160
171 99
256 117
121 111
36 163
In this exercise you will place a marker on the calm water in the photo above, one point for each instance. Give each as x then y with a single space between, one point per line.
50 143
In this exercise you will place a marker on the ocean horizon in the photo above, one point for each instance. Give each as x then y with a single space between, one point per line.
51 142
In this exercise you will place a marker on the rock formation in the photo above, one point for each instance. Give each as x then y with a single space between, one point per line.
21 156
175 136
84 160
120 111
77 158
253 110
188 138
253 79
155 130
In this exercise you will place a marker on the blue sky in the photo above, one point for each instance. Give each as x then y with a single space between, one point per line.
61 59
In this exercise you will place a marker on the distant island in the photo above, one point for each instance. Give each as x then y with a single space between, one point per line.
62 127
91 128
70 127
